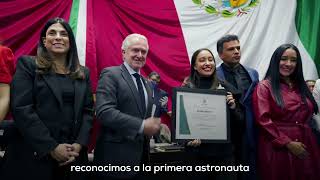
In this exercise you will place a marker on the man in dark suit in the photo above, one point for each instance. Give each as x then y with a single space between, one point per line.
242 81
124 103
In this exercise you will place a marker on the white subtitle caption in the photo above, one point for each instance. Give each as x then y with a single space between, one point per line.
162 168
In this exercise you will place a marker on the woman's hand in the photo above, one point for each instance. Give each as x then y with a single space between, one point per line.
231 101
75 148
63 152
70 160
298 149
194 143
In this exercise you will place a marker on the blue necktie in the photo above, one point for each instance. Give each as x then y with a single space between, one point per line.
141 92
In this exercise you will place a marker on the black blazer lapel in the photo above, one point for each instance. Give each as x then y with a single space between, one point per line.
127 77
54 86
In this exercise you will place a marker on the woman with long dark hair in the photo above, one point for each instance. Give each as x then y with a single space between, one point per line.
52 107
203 76
283 105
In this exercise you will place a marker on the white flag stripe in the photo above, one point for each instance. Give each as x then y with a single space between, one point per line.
261 31
82 31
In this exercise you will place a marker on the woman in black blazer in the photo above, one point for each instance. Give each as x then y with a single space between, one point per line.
52 107
203 76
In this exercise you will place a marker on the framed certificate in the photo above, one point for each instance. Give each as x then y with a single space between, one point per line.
200 114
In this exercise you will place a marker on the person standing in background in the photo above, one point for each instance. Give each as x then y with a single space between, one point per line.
160 97
311 84
160 100
315 122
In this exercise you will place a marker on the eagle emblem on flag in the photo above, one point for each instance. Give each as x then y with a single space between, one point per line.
226 8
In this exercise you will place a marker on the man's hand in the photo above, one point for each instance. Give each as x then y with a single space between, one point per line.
151 126
231 101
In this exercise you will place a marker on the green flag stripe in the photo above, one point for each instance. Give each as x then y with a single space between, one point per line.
308 27
73 20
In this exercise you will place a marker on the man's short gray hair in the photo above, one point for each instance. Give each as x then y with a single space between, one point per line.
128 40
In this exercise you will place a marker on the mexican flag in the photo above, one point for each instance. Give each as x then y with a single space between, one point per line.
184 26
